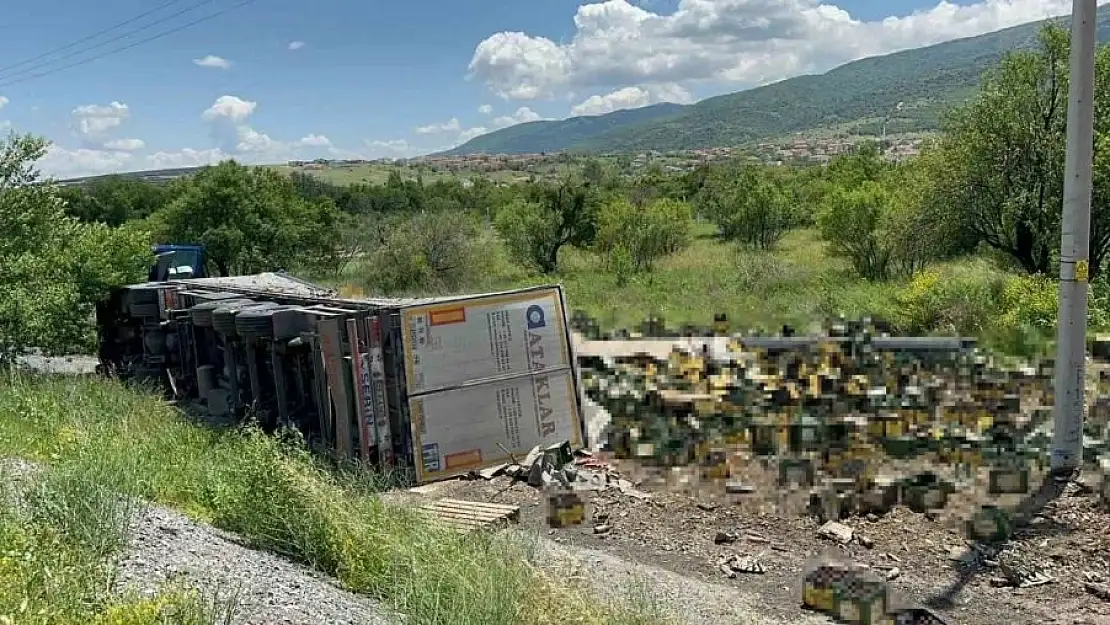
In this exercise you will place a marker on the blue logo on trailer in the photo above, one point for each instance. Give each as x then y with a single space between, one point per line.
535 317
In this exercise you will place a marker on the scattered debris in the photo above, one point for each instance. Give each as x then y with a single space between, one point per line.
736 487
746 564
836 531
893 574
1102 591
467 516
722 538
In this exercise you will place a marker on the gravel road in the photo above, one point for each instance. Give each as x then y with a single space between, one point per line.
689 601
166 545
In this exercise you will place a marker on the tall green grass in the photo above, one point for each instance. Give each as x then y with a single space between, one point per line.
60 532
276 495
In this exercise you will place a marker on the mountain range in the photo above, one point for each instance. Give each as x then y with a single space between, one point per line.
907 90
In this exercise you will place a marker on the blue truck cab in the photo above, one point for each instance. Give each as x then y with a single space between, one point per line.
178 262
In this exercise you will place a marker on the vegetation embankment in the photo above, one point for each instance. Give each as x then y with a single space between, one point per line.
962 239
98 438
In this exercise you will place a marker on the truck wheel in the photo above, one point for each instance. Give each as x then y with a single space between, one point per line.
255 324
223 318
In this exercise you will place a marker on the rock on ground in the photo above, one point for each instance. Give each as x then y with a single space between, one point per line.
169 547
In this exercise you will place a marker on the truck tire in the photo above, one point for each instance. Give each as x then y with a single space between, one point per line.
255 323
258 322
223 318
201 314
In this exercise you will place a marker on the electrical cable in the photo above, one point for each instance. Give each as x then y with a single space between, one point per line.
7 83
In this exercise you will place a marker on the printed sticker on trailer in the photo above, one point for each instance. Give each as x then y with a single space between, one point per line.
486 338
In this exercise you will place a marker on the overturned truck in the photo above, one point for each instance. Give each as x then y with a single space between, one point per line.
434 387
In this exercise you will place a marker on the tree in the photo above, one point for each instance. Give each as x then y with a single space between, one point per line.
251 220
54 268
548 217
854 223
434 250
113 200
999 168
640 236
747 205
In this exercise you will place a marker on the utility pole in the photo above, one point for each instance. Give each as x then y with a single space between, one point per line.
1067 438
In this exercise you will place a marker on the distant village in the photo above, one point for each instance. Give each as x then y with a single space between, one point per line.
799 150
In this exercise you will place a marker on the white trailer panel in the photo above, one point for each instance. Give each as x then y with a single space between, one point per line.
457 430
484 338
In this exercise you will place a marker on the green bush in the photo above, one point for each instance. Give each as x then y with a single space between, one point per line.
431 251
960 299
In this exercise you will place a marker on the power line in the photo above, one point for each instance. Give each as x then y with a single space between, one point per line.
88 37
108 41
128 46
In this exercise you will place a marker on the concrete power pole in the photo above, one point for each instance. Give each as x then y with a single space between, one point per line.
1067 440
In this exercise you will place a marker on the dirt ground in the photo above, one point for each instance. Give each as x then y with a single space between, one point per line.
674 525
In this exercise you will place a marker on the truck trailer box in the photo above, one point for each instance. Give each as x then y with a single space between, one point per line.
481 379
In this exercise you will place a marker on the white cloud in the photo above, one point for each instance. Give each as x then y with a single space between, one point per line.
738 42
451 125
94 121
229 107
522 115
213 61
632 97
296 45
64 163
390 148
125 145
3 101
470 133
485 109
314 140
187 157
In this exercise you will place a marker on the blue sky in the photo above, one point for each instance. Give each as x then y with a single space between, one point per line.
373 78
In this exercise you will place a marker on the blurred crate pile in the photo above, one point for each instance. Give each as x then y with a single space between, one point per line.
852 407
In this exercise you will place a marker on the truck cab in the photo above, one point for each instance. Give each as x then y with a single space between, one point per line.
178 262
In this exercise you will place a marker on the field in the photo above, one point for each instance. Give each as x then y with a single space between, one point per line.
378 173
798 283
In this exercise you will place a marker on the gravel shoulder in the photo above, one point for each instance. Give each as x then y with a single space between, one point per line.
168 547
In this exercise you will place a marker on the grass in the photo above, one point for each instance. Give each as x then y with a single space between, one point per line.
277 496
797 283
59 534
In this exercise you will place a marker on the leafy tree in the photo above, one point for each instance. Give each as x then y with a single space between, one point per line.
999 167
434 250
251 220
54 268
113 200
640 236
549 216
747 205
854 223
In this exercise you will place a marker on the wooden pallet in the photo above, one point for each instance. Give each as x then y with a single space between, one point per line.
467 516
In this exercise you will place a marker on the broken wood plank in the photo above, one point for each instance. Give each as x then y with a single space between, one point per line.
471 515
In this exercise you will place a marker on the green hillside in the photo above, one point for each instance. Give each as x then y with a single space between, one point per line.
566 133
859 94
